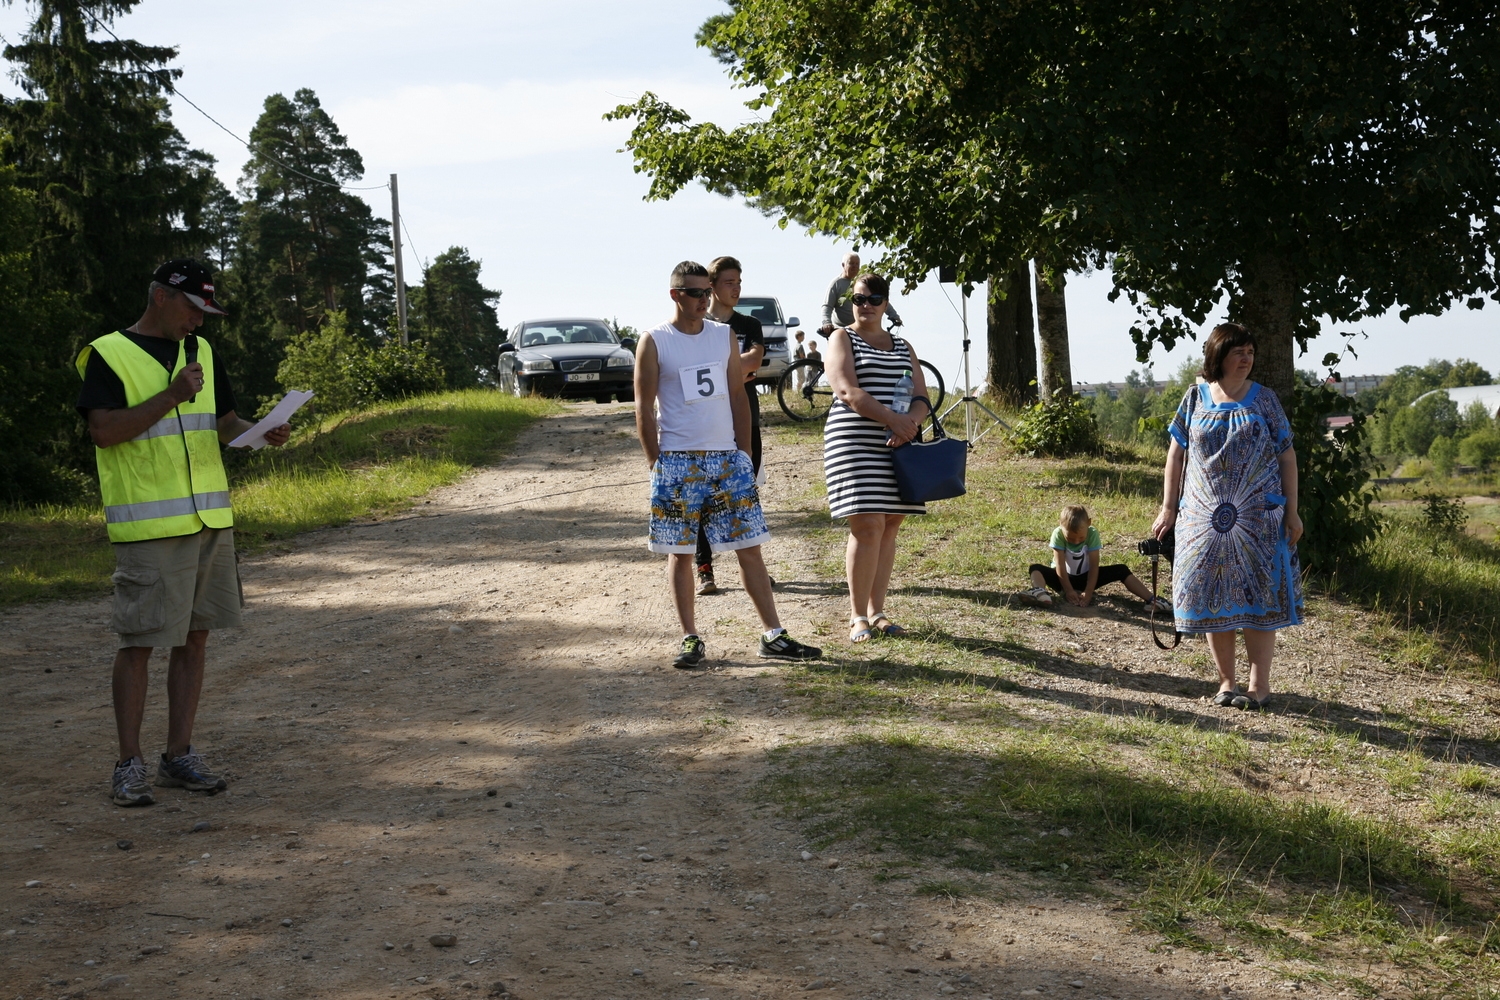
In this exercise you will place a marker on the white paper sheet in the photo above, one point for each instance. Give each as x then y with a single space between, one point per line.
255 437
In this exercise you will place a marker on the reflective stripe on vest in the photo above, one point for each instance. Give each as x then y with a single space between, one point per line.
150 509
168 480
169 425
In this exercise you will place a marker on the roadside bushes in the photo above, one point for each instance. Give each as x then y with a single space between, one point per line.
1333 476
346 374
1058 427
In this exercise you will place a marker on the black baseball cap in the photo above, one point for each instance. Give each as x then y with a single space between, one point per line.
191 279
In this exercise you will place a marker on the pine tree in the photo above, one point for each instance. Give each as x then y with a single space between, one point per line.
305 246
453 314
118 189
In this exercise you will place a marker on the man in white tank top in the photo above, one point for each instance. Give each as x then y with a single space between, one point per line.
694 421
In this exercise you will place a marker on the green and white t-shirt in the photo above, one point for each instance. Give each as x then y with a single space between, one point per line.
1076 557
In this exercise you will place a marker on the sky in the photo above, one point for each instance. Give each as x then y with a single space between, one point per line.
490 112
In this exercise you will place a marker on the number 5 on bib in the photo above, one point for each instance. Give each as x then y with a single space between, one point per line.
702 381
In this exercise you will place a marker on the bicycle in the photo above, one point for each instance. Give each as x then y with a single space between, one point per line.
804 393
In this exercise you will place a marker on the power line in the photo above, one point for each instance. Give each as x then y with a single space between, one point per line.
172 88
412 243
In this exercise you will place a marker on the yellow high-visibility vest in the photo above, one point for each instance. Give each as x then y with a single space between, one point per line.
168 480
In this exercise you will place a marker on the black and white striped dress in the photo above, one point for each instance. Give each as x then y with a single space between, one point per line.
856 460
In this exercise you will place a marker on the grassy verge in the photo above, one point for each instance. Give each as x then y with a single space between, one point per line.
344 467
1002 751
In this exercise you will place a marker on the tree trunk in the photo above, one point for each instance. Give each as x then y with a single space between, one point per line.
1052 330
1268 308
1011 339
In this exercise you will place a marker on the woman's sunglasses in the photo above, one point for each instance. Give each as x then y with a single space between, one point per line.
694 293
869 300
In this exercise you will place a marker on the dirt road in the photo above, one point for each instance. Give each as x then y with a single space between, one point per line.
460 722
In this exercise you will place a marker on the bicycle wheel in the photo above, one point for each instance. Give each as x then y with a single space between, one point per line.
803 391
935 389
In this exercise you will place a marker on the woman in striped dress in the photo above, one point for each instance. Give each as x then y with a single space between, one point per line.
864 363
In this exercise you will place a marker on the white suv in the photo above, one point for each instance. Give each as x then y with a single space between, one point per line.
776 328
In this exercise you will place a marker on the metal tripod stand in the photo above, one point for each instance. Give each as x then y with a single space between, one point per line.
971 402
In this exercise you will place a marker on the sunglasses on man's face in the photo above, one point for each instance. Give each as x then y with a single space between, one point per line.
869 300
694 293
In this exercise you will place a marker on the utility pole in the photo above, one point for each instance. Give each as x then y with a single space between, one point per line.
396 245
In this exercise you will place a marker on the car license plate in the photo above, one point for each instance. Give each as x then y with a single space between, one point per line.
582 377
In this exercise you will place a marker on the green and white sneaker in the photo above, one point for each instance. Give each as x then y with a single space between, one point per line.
188 771
694 652
129 786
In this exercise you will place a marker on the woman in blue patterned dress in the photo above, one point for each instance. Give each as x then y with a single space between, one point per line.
1236 518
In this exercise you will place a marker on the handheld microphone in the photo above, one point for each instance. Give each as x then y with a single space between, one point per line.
192 357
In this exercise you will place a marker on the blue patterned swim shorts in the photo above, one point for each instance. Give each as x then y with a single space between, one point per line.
715 486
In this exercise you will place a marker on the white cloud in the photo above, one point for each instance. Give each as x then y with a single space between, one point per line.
465 123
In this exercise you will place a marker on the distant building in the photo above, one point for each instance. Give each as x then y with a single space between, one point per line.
1092 390
1353 385
1463 397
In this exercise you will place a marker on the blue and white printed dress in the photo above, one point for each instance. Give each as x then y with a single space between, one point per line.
1233 567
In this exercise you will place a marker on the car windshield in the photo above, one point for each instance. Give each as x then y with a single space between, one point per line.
764 310
566 332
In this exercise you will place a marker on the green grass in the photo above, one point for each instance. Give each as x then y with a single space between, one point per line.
963 774
343 467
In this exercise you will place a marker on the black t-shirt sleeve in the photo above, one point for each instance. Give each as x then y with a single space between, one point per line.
103 389
224 400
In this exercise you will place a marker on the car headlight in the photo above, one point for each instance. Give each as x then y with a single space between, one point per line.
619 361
539 365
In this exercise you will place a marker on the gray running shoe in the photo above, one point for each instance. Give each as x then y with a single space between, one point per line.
694 650
188 771
129 786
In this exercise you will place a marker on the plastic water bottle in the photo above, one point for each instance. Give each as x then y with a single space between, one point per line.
901 397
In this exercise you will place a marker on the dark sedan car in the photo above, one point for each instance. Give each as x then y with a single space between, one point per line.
568 357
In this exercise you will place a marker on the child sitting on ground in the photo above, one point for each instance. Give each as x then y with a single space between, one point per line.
1075 571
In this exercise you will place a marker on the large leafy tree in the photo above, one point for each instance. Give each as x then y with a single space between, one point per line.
306 247
453 314
118 189
1293 159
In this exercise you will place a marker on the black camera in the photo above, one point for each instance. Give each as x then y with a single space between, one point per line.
1157 548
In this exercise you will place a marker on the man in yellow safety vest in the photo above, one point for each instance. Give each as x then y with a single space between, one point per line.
158 403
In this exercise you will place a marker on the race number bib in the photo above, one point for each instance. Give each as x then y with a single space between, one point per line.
703 381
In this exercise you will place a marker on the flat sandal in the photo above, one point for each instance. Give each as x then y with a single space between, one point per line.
858 635
890 628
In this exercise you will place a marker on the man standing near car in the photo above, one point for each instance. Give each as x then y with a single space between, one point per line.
694 424
158 404
837 307
724 278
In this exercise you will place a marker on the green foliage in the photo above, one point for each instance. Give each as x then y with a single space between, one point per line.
1413 428
1442 453
118 189
1057 428
1333 475
324 360
453 314
303 248
1480 449
96 188
1443 514
394 372
1157 139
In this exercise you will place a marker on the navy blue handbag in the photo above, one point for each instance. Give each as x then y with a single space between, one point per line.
931 470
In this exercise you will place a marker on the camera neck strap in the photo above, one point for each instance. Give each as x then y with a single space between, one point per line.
1176 635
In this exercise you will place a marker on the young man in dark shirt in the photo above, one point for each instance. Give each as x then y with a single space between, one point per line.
724 278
